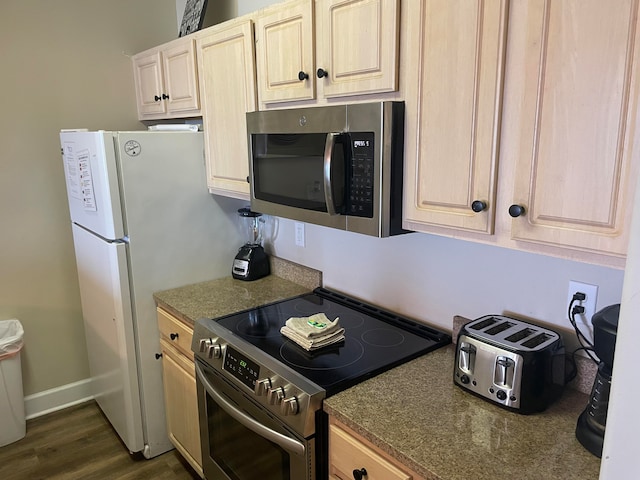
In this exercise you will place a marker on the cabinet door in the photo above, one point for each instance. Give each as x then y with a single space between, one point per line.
147 71
357 46
347 454
175 332
227 88
577 158
180 79
453 107
284 54
181 405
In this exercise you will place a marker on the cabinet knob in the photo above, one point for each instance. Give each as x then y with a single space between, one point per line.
302 76
359 474
158 356
516 210
157 98
322 73
478 206
173 336
165 96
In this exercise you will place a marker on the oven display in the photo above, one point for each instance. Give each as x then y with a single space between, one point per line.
241 367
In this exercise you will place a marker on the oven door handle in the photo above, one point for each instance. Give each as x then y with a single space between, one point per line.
329 144
287 443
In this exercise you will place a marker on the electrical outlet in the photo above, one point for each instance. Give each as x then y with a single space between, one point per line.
299 227
589 303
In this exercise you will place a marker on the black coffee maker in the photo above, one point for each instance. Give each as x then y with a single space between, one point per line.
251 261
592 422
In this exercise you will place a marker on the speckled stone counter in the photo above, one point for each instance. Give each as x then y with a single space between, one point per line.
416 414
227 295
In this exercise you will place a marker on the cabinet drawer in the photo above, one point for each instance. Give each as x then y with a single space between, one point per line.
347 454
175 332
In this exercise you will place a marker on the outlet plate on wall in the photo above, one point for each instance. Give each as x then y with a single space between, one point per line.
589 303
299 227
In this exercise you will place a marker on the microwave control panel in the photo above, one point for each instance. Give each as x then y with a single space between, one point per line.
361 175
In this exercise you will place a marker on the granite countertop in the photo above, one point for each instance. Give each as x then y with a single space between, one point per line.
224 296
417 415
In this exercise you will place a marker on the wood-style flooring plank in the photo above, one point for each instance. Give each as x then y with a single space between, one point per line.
79 443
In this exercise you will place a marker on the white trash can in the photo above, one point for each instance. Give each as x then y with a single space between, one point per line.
12 417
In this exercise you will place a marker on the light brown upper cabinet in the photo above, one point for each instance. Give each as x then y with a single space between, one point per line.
453 102
332 48
166 81
227 81
576 141
523 122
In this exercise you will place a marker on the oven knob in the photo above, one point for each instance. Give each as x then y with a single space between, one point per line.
214 351
275 396
262 387
290 406
204 343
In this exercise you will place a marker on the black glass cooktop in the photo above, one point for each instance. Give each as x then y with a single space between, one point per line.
375 340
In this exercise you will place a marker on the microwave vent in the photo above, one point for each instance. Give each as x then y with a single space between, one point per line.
512 333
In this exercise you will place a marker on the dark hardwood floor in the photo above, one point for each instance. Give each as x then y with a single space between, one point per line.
79 443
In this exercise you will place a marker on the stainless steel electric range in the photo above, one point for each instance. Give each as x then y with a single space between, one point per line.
260 395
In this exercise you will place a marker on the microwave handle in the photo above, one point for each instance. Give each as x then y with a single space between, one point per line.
329 145
287 443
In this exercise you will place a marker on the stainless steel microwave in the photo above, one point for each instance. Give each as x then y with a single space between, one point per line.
339 166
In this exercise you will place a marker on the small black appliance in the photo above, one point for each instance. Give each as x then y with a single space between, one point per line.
592 422
251 261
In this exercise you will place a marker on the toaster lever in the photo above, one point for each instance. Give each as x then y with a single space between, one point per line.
467 356
503 373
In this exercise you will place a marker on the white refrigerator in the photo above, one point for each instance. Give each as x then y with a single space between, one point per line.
143 221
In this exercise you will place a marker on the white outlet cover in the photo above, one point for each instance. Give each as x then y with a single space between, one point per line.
299 228
589 303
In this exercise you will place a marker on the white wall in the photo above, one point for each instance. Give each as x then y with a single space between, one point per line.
65 64
432 278
620 452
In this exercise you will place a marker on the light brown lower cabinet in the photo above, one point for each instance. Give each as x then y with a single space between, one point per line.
349 452
178 374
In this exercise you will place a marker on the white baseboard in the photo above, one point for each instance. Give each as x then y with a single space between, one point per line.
57 398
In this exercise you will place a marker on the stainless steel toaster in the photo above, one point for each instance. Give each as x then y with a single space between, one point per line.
513 363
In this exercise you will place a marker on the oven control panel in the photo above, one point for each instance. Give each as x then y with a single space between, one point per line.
289 398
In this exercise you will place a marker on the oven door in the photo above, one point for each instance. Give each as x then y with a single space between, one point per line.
242 441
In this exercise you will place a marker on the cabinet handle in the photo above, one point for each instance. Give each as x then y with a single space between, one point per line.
322 73
165 96
516 210
359 474
173 336
302 76
478 206
158 356
157 98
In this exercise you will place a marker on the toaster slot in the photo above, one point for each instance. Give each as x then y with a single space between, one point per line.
537 340
521 335
503 372
467 357
499 328
484 323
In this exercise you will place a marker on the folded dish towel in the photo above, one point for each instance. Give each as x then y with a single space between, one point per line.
313 326
313 332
